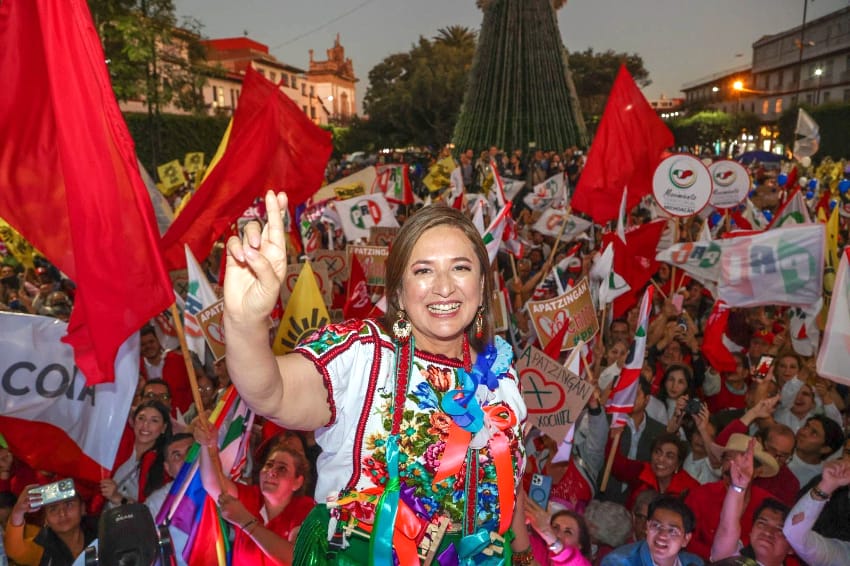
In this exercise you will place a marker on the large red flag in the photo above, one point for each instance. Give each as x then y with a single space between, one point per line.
634 260
69 180
626 150
272 145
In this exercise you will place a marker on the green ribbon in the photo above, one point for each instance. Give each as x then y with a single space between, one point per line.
381 545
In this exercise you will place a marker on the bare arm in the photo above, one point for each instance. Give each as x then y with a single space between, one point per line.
211 477
276 548
287 389
729 528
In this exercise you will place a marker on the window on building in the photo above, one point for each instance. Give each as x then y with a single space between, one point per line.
273 76
827 68
303 89
294 85
262 72
284 78
847 64
765 107
312 91
809 98
221 96
313 112
777 108
825 96
305 109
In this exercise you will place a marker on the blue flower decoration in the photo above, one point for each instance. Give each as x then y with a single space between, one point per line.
425 396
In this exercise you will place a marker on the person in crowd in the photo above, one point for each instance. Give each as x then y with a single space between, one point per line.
175 454
787 367
166 365
208 391
616 358
562 539
636 440
813 548
708 498
65 534
700 432
819 438
832 522
729 389
767 543
663 472
668 532
799 402
386 396
141 470
640 513
157 390
267 515
610 525
677 389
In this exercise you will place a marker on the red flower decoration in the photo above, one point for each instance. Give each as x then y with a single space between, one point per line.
439 378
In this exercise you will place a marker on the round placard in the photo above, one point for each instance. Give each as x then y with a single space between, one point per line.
732 183
682 185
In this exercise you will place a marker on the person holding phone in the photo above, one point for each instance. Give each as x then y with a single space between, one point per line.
65 535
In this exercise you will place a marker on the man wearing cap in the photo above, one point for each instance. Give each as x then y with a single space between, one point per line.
767 543
708 497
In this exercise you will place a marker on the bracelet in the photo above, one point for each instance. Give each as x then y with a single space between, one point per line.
737 488
819 494
524 558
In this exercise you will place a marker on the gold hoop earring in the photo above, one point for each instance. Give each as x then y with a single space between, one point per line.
402 327
479 323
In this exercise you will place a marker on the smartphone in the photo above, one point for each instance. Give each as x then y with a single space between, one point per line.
55 492
541 486
678 299
763 366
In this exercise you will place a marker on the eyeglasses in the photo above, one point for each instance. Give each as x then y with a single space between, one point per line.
206 389
780 457
157 396
660 528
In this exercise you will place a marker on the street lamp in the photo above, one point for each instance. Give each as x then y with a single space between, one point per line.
738 86
818 74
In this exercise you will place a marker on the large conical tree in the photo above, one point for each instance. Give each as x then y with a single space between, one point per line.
520 91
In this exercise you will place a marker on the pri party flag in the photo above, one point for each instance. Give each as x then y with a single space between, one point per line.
622 399
358 214
272 145
794 211
832 357
68 161
199 296
305 313
51 419
393 181
495 232
714 346
627 148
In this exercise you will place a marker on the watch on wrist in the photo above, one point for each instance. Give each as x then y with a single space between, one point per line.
737 488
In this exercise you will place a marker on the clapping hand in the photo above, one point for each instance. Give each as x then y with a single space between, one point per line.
256 265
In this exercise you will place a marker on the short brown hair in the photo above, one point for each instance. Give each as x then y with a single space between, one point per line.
402 248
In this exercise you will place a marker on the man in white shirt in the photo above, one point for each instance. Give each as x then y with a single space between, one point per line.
816 441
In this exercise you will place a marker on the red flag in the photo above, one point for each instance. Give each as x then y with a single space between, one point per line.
69 180
626 150
272 145
358 304
715 351
634 260
553 348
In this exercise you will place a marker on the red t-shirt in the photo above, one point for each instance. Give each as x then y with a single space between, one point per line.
245 550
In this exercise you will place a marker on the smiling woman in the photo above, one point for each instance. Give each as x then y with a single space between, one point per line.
419 412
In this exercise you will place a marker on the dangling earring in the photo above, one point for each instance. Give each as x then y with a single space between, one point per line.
402 327
479 323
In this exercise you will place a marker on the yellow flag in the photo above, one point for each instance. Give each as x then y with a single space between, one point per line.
832 239
17 245
193 161
171 175
439 175
305 312
222 145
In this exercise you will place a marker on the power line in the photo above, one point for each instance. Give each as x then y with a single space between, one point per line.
324 25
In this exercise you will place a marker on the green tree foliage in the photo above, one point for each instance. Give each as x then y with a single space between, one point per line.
180 135
594 75
832 121
414 98
705 128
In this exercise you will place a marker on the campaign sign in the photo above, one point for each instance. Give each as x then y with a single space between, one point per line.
212 327
732 183
336 261
574 308
320 272
553 395
682 185
374 262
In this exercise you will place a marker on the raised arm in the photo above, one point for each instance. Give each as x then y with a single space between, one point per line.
288 389
729 528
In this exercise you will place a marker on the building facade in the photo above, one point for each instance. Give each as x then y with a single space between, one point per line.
334 82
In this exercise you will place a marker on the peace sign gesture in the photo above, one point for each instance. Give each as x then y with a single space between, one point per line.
256 265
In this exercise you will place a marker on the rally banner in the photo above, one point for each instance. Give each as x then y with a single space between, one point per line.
374 262
549 224
700 259
382 235
320 272
783 266
553 395
358 214
682 185
543 195
171 175
193 162
354 185
439 175
393 182
832 357
199 295
211 324
336 262
732 183
50 418
574 309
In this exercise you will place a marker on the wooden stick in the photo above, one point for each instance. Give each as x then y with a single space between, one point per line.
609 463
554 249
513 266
602 322
658 288
673 269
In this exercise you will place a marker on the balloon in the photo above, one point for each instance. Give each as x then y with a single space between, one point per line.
752 194
843 186
832 204
806 161
715 218
804 181
768 215
810 195
782 179
813 184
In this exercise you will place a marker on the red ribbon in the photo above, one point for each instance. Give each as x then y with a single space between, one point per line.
502 418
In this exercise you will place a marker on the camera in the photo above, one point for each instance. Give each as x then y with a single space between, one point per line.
541 486
683 324
693 406
55 492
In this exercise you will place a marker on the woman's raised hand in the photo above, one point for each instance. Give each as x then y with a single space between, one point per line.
256 265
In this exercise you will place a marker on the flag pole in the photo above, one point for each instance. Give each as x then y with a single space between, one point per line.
554 249
609 463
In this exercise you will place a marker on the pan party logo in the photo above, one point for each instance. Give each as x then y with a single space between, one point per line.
299 328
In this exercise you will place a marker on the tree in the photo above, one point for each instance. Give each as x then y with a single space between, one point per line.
594 75
414 98
520 89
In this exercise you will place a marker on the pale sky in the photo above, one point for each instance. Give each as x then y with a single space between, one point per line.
679 40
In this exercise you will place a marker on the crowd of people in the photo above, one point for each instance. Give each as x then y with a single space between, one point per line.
404 439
